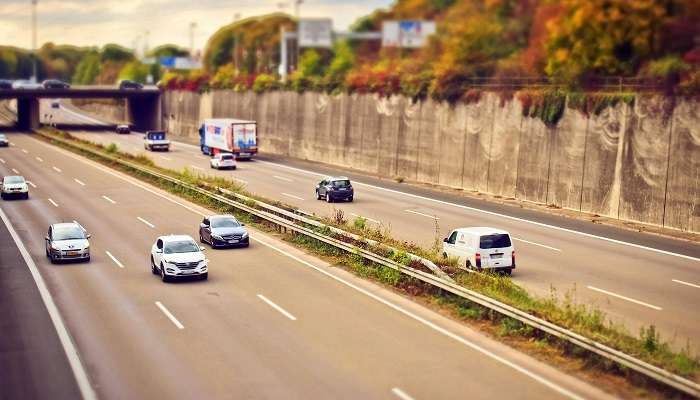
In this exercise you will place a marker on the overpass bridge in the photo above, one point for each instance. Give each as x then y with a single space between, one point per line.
143 105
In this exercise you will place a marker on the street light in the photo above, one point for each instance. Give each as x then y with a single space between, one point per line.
193 25
34 67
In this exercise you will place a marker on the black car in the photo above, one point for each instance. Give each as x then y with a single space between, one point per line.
127 84
54 84
5 84
223 231
335 188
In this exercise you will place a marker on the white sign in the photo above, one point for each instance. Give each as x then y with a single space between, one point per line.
411 34
316 32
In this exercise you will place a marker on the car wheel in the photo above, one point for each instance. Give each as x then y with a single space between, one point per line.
234 168
444 255
329 199
52 259
163 276
350 199
87 259
468 265
509 271
26 196
204 276
154 270
2 196
201 239
318 195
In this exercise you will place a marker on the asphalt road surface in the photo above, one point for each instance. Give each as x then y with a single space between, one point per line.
638 279
271 322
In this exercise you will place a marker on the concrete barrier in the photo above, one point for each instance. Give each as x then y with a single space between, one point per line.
638 163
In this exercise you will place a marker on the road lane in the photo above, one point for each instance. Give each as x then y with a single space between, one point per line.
344 344
548 259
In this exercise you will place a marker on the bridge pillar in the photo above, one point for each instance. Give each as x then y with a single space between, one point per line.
144 112
27 114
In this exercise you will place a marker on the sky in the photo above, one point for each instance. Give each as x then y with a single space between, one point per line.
126 22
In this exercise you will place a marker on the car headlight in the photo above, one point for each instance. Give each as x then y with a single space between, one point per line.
245 234
54 247
217 237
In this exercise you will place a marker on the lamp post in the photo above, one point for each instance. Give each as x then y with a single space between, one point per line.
193 25
34 66
297 11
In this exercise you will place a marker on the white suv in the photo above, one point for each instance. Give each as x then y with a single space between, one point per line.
14 186
178 256
223 160
481 248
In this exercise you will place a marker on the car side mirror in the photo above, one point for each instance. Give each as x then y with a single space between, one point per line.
46 238
201 248
242 224
159 250
446 240
203 225
88 236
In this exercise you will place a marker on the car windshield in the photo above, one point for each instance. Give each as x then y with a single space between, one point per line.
13 180
3 136
182 246
156 135
224 223
68 233
226 157
340 184
494 241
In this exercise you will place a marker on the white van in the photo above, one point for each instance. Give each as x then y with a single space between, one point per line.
481 248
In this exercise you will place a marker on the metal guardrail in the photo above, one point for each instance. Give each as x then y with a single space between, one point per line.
278 216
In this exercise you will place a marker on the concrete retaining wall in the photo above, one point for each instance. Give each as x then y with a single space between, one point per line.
630 162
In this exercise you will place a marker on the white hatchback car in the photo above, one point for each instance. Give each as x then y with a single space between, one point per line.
481 248
223 160
14 185
178 256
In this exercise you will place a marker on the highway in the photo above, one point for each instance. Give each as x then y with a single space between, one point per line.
271 322
639 279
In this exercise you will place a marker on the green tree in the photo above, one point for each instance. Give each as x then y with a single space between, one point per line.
343 61
88 69
117 53
134 71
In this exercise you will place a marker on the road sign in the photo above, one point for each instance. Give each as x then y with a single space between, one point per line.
411 34
316 32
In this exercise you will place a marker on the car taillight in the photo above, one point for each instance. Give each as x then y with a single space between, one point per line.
478 260
513 258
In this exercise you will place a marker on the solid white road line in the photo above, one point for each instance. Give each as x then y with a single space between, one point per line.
686 283
401 394
15 171
276 307
641 303
64 337
292 196
119 264
2 161
196 167
146 222
542 380
282 178
108 199
30 183
367 218
463 207
25 151
79 182
166 158
424 215
241 180
39 159
81 116
56 169
12 144
169 315
53 202
536 244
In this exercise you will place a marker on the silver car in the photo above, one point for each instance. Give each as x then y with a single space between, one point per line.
14 185
3 141
67 241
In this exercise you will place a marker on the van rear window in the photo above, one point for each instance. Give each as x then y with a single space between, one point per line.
494 241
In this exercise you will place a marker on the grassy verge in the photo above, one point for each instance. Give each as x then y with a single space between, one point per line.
566 312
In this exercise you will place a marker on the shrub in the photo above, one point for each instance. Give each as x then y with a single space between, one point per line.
264 82
360 223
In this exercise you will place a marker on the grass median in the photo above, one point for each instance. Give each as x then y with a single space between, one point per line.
561 310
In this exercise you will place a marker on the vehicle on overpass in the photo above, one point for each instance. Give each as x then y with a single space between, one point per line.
4 142
228 135
223 161
55 103
335 188
14 186
223 231
54 84
121 129
67 241
481 248
126 84
155 140
26 85
5 84
178 256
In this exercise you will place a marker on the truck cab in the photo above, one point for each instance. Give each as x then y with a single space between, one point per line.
155 140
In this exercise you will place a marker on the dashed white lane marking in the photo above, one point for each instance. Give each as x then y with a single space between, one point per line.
401 394
15 171
170 316
166 158
2 161
39 159
57 169
25 151
641 303
686 283
53 202
424 215
537 244
241 180
146 222
276 307
108 199
119 264
367 218
282 178
292 196
30 183
79 182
